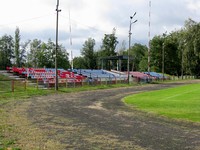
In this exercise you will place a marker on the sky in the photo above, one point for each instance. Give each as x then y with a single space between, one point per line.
36 19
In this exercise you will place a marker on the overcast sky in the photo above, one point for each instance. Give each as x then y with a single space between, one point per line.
94 18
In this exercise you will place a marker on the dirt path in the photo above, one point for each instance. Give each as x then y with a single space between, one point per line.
100 120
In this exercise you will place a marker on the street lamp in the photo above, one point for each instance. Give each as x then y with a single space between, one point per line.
131 22
56 66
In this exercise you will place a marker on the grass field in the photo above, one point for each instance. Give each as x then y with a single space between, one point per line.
177 103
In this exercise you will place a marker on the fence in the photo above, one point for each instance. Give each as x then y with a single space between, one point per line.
12 86
24 84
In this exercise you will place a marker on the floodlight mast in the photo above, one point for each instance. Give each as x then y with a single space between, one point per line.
56 51
131 22
149 44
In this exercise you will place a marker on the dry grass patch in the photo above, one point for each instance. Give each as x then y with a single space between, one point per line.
17 132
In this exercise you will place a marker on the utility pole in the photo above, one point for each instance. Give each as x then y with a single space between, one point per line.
56 63
128 69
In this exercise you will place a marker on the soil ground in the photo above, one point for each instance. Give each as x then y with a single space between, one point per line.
98 120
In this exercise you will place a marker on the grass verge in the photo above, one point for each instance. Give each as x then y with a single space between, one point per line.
178 103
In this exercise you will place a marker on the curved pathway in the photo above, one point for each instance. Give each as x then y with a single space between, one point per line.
100 120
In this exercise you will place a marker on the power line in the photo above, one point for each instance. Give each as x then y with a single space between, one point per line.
26 20
77 22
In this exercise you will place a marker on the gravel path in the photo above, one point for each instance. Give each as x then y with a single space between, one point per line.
100 120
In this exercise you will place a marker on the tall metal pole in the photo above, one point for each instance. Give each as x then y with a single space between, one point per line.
128 69
163 59
182 65
182 58
129 47
56 63
70 30
149 50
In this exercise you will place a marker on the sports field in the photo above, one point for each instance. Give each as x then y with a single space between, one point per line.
178 103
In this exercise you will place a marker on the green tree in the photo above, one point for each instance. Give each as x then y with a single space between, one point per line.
143 65
35 52
23 55
122 50
108 48
137 52
17 47
191 46
42 59
109 44
63 58
79 63
43 55
6 51
90 59
156 53
172 60
166 46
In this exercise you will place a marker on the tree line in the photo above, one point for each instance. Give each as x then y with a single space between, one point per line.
33 53
177 52
180 49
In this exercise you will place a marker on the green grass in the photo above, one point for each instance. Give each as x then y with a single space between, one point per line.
10 96
178 103
89 87
3 77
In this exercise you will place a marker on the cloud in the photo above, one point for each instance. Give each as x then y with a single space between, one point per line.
94 18
193 5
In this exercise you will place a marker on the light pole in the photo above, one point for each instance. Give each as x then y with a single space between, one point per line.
182 58
131 22
163 54
56 65
163 59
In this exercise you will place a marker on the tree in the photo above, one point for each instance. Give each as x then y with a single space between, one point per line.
43 55
167 47
35 52
172 58
137 52
22 55
156 53
49 56
122 49
143 64
62 58
17 47
109 44
90 60
6 51
79 63
108 48
191 46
